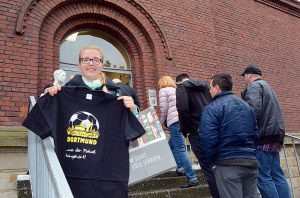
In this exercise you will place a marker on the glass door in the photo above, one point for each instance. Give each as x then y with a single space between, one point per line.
117 63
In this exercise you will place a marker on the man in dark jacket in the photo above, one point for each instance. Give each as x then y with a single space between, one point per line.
259 94
191 97
126 90
228 138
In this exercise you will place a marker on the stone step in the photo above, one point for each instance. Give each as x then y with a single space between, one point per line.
24 186
161 184
172 173
200 191
168 186
164 181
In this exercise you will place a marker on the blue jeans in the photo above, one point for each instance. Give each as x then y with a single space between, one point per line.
177 146
206 171
271 179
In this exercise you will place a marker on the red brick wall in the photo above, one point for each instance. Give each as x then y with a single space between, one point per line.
201 37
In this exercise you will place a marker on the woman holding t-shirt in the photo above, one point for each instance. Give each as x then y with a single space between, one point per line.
100 176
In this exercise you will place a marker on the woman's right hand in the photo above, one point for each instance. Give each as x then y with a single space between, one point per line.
52 90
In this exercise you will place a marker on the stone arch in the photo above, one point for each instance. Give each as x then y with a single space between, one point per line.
48 6
138 32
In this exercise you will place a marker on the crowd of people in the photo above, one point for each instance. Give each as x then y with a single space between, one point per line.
235 140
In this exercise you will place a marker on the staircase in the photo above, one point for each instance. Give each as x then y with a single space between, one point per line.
167 186
13 152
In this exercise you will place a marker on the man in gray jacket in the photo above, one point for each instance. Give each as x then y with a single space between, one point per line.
259 94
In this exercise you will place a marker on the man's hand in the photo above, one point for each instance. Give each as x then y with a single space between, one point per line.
128 102
52 90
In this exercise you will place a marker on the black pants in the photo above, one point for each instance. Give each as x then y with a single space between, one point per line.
206 171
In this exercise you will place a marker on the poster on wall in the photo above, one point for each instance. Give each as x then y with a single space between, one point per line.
149 155
152 98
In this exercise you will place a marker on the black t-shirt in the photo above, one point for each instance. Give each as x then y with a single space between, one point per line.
91 130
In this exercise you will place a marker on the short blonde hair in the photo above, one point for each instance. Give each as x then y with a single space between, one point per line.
91 47
166 81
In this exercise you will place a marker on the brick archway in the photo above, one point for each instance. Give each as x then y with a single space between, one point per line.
128 22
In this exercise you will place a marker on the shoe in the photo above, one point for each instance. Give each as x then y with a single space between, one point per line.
179 173
190 183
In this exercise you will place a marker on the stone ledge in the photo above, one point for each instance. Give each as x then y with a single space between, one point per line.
13 137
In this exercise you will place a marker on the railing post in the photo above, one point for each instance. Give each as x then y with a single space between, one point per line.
289 171
32 154
296 155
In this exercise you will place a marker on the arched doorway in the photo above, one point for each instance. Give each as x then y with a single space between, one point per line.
127 21
116 59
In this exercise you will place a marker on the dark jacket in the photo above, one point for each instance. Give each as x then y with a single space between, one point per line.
269 118
77 81
228 131
126 90
191 97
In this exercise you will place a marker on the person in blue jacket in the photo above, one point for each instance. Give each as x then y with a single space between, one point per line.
228 138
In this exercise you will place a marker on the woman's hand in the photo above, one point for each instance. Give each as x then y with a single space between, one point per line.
128 102
52 90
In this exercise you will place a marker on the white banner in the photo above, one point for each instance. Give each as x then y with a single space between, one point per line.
150 155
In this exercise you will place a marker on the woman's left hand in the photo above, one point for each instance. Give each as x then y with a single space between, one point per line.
128 102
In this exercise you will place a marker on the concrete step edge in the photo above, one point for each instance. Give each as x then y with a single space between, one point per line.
200 191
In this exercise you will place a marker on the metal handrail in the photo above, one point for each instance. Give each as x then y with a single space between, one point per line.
46 175
292 137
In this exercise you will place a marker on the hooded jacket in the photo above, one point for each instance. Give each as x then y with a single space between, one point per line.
263 99
191 97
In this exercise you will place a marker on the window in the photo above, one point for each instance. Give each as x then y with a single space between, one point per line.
116 60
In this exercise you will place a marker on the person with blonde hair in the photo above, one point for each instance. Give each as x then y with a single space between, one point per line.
169 118
91 65
92 127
